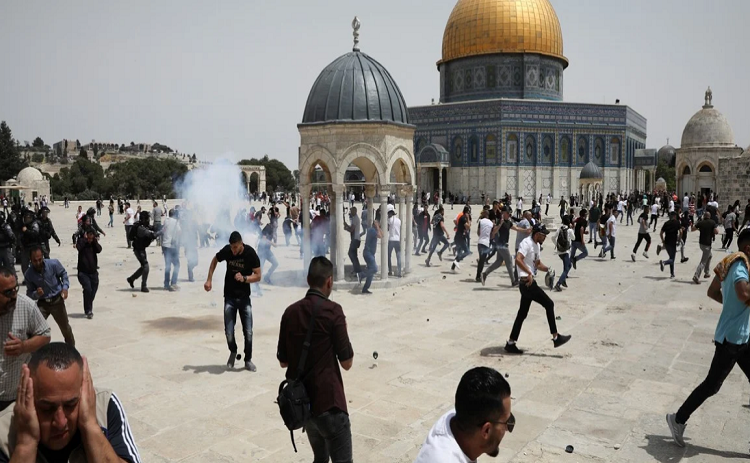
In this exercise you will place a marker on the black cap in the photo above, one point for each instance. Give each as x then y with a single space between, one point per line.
539 228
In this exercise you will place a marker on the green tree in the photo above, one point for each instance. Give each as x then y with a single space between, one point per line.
667 173
146 177
37 157
38 143
10 160
83 154
278 175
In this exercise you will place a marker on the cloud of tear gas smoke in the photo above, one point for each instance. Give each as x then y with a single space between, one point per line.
217 196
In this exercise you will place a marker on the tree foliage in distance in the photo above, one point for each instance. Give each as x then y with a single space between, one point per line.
667 173
146 177
82 175
158 147
278 176
38 143
11 162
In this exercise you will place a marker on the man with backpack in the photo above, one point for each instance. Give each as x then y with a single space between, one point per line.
141 235
313 342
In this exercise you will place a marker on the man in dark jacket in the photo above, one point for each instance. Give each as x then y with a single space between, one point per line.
31 237
88 275
48 230
329 429
7 244
141 235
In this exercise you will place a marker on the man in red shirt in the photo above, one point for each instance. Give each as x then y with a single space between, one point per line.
329 429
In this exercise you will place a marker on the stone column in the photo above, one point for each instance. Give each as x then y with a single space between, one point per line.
384 240
440 184
304 194
409 235
337 230
405 231
370 194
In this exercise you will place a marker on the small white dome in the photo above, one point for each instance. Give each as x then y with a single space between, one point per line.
28 176
708 128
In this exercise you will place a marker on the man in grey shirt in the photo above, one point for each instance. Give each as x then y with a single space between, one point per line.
522 234
157 213
354 228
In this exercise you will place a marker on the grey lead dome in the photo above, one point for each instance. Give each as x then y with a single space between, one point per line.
355 88
591 170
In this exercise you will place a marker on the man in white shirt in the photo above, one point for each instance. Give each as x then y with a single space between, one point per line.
478 423
671 205
394 241
170 247
546 204
611 235
654 214
519 208
129 220
528 260
484 231
686 202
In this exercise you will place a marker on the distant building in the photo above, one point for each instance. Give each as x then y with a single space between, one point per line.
66 147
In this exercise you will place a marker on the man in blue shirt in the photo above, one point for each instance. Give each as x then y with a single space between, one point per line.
730 287
47 283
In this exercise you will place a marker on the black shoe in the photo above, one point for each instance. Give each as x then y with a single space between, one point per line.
658 249
89 316
478 280
684 260
612 258
144 290
130 282
574 264
596 243
564 284
250 366
366 291
661 265
514 284
484 279
230 362
561 339
440 256
513 349
558 288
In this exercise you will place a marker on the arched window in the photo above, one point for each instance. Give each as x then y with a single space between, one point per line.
706 168
473 149
421 143
598 149
582 150
548 149
530 148
565 149
490 150
458 147
614 150
686 170
512 148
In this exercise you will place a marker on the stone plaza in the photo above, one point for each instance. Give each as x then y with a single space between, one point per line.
641 343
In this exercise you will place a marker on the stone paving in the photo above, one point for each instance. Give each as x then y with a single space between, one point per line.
640 343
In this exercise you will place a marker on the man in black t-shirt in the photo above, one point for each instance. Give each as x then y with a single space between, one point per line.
685 222
500 237
243 269
669 236
579 242
707 230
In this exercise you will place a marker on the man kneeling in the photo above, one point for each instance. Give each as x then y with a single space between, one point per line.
60 417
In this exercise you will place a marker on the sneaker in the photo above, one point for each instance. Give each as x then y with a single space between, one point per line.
478 280
661 264
250 366
171 289
596 243
561 339
645 254
130 282
230 362
144 290
427 262
359 278
564 284
601 253
484 279
658 249
706 275
632 256
682 261
612 258
512 349
558 288
671 276
676 429
514 284
366 291
573 262
696 280
457 265
440 256
90 315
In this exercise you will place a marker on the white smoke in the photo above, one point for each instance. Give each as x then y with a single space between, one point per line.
215 193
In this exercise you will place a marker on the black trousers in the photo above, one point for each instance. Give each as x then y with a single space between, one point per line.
531 294
642 237
725 357
90 284
353 255
140 254
330 436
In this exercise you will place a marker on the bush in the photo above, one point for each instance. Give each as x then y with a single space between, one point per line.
64 160
37 157
88 195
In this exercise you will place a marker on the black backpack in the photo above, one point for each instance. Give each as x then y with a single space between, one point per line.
563 240
293 401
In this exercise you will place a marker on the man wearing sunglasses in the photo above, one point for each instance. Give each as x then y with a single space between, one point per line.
25 331
477 425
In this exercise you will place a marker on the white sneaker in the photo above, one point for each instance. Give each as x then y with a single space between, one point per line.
677 429
645 254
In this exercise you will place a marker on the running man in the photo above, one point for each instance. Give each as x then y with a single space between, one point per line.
643 234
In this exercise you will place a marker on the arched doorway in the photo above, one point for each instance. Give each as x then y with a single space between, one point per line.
254 182
705 178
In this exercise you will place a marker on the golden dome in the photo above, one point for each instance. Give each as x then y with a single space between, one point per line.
480 27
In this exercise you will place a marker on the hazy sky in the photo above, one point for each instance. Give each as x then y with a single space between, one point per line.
233 76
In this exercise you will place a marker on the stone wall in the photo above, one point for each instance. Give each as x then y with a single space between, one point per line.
734 179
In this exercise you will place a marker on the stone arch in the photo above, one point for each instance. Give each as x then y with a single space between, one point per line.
368 159
686 170
615 150
404 170
706 167
318 155
548 149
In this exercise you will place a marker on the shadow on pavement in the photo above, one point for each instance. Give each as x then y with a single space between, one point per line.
211 369
664 450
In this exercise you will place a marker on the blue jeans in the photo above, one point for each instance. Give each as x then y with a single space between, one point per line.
593 232
243 306
330 436
578 246
437 239
462 249
265 254
394 246
609 246
566 268
672 253
372 269
171 259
